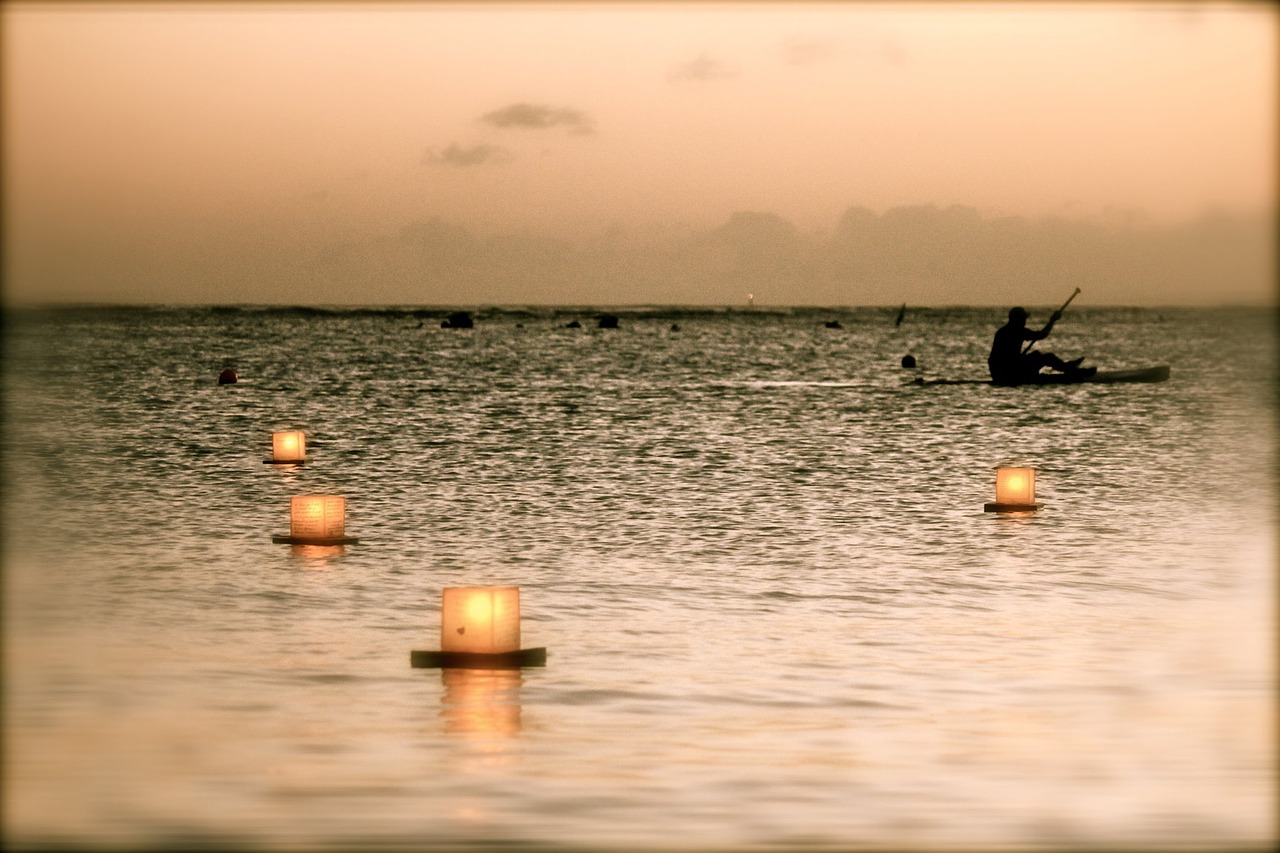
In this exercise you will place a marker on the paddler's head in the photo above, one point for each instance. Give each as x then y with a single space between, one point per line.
1018 316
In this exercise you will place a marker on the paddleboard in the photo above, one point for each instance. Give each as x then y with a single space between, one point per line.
1156 373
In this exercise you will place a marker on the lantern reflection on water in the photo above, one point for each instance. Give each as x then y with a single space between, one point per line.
317 555
1015 490
288 448
480 629
481 702
316 520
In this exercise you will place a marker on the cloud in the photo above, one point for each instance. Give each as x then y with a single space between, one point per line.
456 155
540 117
702 69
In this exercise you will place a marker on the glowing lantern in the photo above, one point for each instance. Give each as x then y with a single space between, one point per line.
316 520
480 629
317 516
288 448
480 619
1015 490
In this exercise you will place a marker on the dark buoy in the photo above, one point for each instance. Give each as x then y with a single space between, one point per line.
675 327
227 377
833 324
608 321
908 360
457 320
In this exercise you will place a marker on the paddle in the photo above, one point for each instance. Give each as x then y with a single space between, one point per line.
1030 344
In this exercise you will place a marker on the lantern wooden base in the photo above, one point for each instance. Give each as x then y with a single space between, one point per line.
307 540
284 461
478 660
994 507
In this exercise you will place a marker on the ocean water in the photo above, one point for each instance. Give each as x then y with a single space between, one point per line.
776 614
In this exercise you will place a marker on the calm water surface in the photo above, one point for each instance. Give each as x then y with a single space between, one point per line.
776 613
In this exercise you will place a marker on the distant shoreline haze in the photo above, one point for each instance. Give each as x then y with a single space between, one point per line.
921 255
534 313
640 154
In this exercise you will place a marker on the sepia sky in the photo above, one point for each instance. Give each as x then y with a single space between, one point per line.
614 153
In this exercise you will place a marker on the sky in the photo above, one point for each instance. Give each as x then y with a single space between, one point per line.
610 153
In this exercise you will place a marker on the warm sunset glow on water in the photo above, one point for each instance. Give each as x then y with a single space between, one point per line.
778 615
671 321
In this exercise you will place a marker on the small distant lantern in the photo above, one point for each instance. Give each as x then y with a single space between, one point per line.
1015 490
317 520
480 629
288 447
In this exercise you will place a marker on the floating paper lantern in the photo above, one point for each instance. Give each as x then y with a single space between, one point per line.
317 516
288 448
316 520
480 629
480 619
1015 490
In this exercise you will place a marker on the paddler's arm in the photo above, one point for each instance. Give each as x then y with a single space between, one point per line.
1043 333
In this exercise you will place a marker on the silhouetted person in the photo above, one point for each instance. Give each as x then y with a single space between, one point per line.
1009 365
